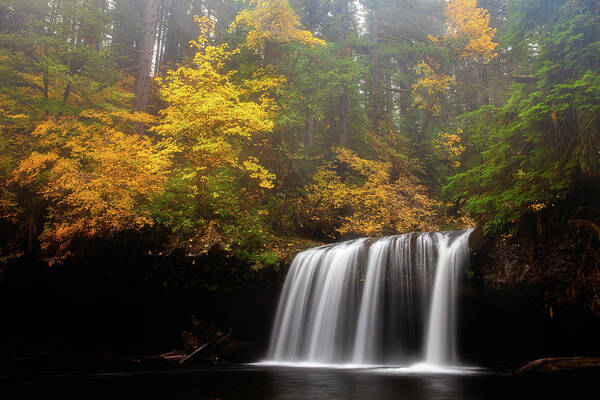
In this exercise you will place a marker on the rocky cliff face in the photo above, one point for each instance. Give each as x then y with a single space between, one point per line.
562 264
530 296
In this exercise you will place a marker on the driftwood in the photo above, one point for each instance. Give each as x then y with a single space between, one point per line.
212 347
562 364
178 356
170 357
192 354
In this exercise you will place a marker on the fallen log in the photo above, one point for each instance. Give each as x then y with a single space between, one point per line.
561 364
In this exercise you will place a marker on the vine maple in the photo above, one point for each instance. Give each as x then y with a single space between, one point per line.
95 175
210 116
375 204
274 21
472 25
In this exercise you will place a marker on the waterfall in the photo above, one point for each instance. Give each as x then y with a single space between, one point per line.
441 332
388 301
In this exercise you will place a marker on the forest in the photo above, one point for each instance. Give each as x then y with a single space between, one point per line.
196 146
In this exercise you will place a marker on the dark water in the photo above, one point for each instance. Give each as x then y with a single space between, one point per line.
252 382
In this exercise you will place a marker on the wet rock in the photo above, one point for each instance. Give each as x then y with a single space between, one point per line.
476 240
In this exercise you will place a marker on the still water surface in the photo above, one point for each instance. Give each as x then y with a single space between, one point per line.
255 382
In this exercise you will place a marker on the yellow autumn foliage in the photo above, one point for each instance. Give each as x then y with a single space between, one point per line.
450 147
210 117
468 36
274 21
464 19
95 174
373 205
430 88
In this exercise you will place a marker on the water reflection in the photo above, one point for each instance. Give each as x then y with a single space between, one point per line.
277 383
379 384
362 384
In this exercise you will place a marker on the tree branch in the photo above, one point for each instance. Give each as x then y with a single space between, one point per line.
395 90
524 78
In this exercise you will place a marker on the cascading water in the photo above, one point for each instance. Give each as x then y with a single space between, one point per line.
392 301
318 304
441 332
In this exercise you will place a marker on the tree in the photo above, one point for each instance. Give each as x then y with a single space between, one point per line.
93 175
365 200
216 123
74 169
468 38
146 55
273 21
469 26
540 148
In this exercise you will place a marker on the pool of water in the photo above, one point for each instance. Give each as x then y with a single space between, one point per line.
308 382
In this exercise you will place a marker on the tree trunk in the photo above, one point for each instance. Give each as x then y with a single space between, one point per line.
402 107
171 52
67 93
375 103
308 135
160 34
479 95
344 109
389 101
344 101
127 17
145 56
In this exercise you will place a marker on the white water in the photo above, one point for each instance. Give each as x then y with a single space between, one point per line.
355 304
441 332
365 343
